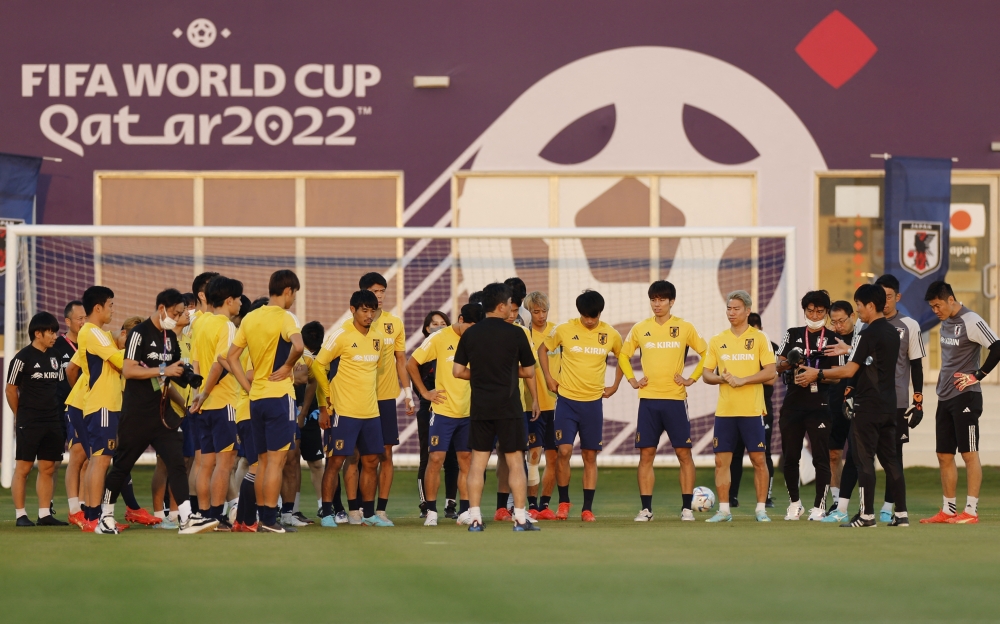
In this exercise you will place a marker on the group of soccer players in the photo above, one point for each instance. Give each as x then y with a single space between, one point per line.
231 394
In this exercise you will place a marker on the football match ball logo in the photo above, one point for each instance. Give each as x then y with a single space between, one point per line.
920 246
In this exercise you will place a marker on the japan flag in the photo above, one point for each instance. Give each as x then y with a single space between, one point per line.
968 220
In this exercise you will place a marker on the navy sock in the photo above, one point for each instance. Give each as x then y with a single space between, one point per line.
338 504
501 500
268 515
686 501
367 508
543 502
532 502
563 494
286 506
217 511
382 502
327 509
354 504
247 509
193 499
463 506
588 500
431 505
128 495
91 513
647 501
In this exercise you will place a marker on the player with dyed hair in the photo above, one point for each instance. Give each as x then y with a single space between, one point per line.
541 431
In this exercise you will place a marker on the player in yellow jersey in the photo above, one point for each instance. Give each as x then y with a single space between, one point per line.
355 424
274 339
391 374
192 432
586 344
245 520
541 431
215 402
101 361
450 403
664 342
739 360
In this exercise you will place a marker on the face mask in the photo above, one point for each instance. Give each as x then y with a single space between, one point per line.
168 323
814 325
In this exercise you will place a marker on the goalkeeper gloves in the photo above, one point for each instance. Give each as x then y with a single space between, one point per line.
916 412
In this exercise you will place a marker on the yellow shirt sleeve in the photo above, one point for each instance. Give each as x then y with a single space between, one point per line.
225 338
625 355
765 352
107 350
290 326
711 359
78 358
696 342
239 340
400 344
331 350
427 350
553 340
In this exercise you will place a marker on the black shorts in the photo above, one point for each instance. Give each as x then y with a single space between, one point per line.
902 427
312 441
840 427
957 423
43 442
509 435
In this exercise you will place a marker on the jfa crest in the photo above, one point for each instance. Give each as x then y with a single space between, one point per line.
377 342
958 330
748 344
388 328
112 444
558 434
435 440
54 362
920 246
675 331
602 339
339 445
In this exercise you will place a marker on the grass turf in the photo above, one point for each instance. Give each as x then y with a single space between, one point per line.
614 570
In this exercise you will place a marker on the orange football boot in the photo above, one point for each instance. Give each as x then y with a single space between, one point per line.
545 514
938 518
122 526
964 518
563 512
141 516
502 515
588 516
76 518
88 526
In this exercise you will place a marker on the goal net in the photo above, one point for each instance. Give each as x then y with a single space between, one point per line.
427 269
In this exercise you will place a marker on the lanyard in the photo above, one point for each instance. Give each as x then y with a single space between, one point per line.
820 341
70 343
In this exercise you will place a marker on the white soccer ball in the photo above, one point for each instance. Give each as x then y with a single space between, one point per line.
703 499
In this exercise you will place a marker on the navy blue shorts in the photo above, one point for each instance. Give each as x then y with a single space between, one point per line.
387 418
102 432
270 418
244 437
192 435
729 430
541 432
448 433
70 434
76 422
659 415
218 431
583 417
348 433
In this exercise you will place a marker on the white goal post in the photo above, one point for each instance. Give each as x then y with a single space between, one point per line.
428 269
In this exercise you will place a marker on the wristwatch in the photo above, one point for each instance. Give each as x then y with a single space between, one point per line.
819 375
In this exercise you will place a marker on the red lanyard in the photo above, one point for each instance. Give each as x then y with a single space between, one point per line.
822 334
70 343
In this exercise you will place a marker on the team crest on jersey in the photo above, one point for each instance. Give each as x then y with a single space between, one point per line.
558 434
958 330
531 438
435 440
112 444
388 328
715 442
339 445
54 362
920 246
675 331
748 344
377 343
602 339
901 331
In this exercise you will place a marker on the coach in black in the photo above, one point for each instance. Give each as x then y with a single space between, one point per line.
872 398
32 380
492 355
152 359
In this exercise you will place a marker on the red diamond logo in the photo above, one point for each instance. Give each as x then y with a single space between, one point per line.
836 49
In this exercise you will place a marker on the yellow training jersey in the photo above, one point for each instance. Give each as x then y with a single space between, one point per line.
441 346
742 355
267 333
389 329
212 337
315 372
103 362
546 399
78 395
354 386
664 348
584 357
242 398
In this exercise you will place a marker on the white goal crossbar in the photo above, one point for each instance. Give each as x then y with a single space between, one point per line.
20 258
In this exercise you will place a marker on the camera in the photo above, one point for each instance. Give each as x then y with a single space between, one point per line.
188 377
796 359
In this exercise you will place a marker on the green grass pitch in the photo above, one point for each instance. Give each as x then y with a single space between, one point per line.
615 570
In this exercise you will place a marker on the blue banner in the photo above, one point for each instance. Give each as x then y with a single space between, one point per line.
917 209
18 183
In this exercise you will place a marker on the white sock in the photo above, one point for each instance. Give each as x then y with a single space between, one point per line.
159 514
949 506
476 513
19 512
835 492
770 483
971 505
108 509
901 514
760 507
319 503
519 515
74 505
510 501
887 506
172 516
796 502
724 508
232 504
842 504
295 505
184 511
44 512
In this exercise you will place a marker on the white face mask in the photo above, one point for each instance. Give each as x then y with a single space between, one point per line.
168 323
814 325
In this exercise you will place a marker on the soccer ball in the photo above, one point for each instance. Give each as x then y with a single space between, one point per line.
703 499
